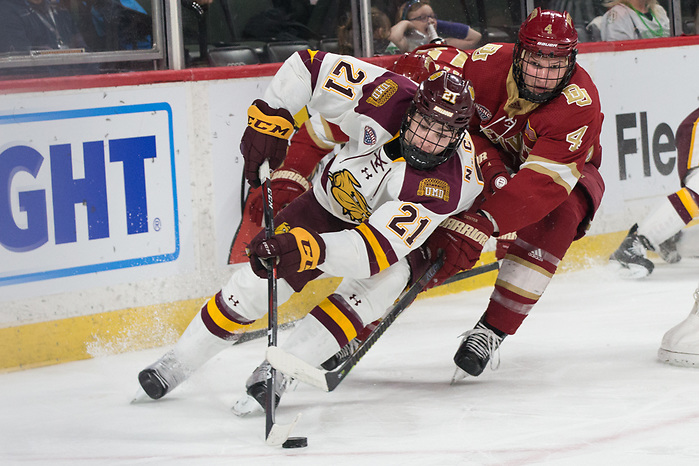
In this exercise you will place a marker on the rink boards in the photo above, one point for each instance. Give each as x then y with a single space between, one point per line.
122 193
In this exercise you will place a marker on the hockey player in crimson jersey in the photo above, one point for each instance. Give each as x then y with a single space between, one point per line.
539 119
407 166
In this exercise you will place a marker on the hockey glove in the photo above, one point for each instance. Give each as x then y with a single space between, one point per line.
265 138
287 185
495 175
296 251
462 238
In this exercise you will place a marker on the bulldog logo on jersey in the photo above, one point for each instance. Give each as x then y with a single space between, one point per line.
344 191
433 187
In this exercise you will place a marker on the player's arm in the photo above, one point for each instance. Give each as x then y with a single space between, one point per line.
543 181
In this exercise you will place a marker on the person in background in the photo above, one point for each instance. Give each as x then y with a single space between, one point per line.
680 344
633 19
381 30
661 230
417 24
27 25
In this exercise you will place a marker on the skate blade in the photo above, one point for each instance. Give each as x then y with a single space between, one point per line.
458 375
245 406
630 272
678 359
140 397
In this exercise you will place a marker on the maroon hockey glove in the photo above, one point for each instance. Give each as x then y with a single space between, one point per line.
495 175
265 138
462 238
296 251
287 185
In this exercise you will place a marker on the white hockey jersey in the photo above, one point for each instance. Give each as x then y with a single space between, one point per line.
395 206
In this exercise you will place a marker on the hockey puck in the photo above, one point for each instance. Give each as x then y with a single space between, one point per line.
295 442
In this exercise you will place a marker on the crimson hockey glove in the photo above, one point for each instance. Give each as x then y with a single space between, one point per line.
462 238
495 175
287 185
265 138
296 251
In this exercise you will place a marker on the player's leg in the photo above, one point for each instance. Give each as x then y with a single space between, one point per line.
680 344
659 231
525 271
219 324
333 323
231 312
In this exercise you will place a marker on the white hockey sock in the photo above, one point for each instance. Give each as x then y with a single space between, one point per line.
311 342
661 223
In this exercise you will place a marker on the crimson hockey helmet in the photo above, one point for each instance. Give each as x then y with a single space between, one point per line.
435 124
446 57
543 36
413 66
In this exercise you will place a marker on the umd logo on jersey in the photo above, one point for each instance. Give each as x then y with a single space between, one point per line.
382 93
344 191
433 187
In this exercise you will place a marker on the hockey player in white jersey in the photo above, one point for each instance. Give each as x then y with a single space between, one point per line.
408 166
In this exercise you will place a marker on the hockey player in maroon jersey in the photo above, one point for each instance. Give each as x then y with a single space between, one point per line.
408 165
538 118
661 230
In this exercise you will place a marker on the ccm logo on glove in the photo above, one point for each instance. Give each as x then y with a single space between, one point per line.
273 125
296 251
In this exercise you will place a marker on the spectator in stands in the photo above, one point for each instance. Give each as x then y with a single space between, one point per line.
633 19
381 25
417 24
27 25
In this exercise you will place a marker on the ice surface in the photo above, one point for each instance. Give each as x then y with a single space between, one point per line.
578 384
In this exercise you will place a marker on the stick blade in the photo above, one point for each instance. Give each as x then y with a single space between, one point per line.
296 368
280 432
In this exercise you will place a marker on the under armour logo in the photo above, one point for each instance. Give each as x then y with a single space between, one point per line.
232 301
356 301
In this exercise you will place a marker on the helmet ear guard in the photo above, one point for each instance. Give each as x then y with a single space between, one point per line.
435 124
546 34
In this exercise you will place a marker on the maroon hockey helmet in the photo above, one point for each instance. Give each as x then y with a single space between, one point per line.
414 66
436 123
545 34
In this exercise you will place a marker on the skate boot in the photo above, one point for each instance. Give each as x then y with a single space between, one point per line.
476 349
630 258
680 344
256 389
668 249
163 375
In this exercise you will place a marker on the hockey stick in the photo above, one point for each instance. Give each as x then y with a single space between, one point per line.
481 269
275 434
329 380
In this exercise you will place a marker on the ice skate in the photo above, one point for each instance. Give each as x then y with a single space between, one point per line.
667 250
680 344
256 391
163 375
196 346
476 349
630 258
